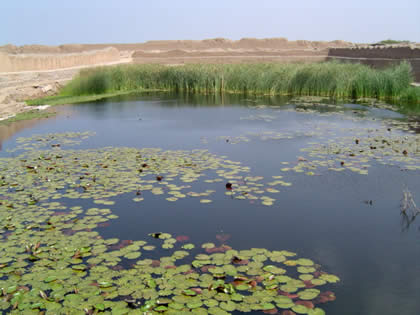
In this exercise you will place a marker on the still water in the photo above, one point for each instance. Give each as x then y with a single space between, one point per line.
350 223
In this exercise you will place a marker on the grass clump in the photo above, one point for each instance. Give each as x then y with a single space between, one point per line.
393 41
32 114
68 99
410 97
330 79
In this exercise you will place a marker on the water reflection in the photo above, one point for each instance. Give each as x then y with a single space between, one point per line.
7 130
409 210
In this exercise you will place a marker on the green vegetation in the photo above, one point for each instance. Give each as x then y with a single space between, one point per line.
330 79
54 261
393 41
66 99
32 114
411 97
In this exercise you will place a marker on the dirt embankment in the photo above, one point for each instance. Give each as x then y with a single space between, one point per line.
41 61
159 45
220 50
245 44
234 53
229 56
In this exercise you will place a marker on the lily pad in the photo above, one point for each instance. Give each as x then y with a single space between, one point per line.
308 294
300 309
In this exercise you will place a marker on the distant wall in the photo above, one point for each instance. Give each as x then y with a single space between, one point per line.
379 57
28 62
244 43
376 52
178 53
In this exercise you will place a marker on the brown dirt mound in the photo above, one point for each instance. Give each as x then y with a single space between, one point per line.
228 53
244 43
166 45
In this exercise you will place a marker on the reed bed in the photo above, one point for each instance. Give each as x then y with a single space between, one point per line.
330 79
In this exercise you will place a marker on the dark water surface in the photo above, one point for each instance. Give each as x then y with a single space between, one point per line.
325 218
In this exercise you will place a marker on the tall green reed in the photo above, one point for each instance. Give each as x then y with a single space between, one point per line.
332 79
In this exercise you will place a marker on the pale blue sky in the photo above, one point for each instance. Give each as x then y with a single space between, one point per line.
104 21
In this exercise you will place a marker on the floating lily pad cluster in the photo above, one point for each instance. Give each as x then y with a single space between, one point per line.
261 117
355 152
391 142
55 140
44 268
102 174
270 135
53 261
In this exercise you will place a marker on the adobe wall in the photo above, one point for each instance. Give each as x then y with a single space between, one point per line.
33 62
376 52
379 57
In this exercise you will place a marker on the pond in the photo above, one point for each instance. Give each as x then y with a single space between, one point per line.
234 186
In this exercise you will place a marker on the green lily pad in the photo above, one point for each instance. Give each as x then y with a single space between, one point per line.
189 292
304 262
289 288
100 306
50 279
316 311
193 305
228 306
267 306
176 306
242 287
308 294
284 302
330 278
302 269
104 284
161 308
306 277
133 255
300 309
318 281
188 246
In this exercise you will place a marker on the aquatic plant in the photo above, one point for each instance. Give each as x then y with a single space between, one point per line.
54 261
330 79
